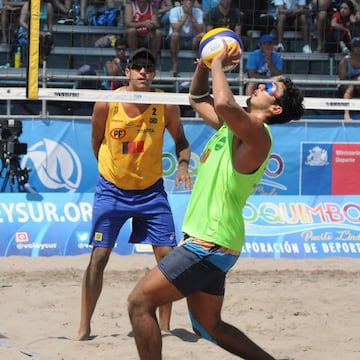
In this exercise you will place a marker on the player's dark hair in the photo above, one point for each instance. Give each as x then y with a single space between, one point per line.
291 102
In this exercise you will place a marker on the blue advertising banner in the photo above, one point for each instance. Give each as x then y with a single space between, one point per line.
301 227
319 161
303 161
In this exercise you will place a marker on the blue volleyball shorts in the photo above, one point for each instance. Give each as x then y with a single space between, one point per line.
149 210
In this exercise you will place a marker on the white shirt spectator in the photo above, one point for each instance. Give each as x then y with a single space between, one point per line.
290 4
187 30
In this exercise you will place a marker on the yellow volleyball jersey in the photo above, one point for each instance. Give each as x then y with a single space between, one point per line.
130 155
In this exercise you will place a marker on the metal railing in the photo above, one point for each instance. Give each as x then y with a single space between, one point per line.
65 78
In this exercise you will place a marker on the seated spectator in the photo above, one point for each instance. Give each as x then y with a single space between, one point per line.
323 10
341 28
163 8
88 8
116 67
10 8
186 30
263 63
256 15
349 69
292 14
46 25
207 5
142 26
224 15
64 7
355 26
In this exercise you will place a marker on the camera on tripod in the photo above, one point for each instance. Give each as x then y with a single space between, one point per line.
10 150
10 131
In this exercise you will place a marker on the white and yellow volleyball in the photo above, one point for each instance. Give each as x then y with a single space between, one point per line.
211 44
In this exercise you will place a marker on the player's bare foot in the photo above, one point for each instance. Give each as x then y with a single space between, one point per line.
83 336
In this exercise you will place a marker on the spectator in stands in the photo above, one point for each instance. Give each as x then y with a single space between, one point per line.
10 8
142 25
88 6
46 25
256 15
65 9
186 30
116 67
224 15
163 8
263 63
355 29
46 18
349 69
207 5
341 27
323 12
292 13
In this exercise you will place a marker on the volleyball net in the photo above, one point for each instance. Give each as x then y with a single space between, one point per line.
85 95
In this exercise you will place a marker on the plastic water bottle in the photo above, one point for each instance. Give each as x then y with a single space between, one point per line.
17 58
76 8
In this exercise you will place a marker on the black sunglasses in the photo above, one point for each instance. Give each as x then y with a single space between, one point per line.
147 67
120 49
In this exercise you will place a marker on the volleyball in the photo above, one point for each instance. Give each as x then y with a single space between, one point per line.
211 44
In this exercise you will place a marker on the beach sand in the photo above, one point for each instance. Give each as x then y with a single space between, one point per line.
300 309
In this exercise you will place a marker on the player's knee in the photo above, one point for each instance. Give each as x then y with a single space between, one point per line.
133 304
200 330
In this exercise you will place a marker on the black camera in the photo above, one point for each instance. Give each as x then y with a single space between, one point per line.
10 150
10 131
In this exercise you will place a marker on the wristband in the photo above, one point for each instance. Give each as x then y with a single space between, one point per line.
183 161
197 97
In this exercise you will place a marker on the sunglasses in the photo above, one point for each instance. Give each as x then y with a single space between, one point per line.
270 88
120 49
147 67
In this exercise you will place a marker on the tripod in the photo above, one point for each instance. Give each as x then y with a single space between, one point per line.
14 173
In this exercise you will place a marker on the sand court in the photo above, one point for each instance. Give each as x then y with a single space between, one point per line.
300 309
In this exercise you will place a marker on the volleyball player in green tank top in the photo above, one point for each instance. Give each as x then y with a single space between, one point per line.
232 164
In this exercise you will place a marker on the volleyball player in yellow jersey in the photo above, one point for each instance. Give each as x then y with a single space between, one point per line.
127 140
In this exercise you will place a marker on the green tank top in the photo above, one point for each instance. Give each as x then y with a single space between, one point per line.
214 212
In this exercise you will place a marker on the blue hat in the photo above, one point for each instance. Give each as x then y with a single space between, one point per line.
266 38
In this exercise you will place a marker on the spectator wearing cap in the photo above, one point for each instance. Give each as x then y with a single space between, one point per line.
263 63
349 69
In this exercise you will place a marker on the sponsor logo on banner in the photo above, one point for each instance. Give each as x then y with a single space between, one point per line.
317 157
57 165
82 238
21 236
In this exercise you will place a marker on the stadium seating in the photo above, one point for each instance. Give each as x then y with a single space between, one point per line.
74 47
